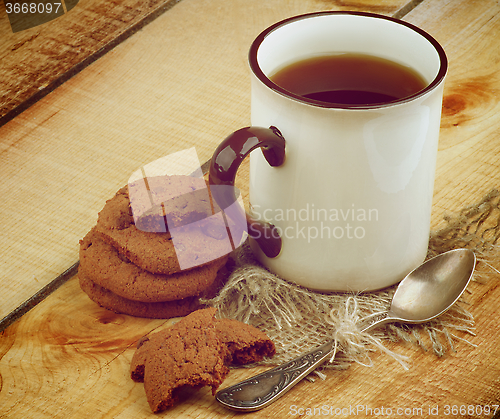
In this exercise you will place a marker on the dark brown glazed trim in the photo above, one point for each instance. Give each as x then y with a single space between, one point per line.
255 67
223 167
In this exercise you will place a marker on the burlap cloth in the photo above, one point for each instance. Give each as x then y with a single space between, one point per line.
298 320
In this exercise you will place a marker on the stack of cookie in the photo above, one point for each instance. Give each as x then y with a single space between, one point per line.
136 272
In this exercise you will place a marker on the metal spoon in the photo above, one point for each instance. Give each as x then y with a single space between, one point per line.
424 294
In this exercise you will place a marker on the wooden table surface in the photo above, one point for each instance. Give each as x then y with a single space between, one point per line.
89 97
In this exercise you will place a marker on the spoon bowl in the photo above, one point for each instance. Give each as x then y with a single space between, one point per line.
424 294
430 289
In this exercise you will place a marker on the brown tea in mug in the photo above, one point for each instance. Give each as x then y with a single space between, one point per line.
349 79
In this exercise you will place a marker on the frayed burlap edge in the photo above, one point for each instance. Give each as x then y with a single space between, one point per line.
298 320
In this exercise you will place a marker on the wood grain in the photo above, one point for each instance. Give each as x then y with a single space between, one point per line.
35 61
469 142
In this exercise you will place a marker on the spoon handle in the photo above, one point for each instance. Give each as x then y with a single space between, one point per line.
263 389
376 320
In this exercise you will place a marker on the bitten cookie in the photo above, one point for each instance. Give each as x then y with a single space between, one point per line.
194 353
155 252
189 354
102 264
246 344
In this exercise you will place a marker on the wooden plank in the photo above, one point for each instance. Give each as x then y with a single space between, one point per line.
180 82
33 62
469 143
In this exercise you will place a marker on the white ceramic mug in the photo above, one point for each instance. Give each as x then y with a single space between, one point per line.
348 189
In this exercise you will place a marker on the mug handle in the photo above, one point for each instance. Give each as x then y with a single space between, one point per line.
223 167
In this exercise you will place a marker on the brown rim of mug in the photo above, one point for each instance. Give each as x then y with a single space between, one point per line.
255 67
